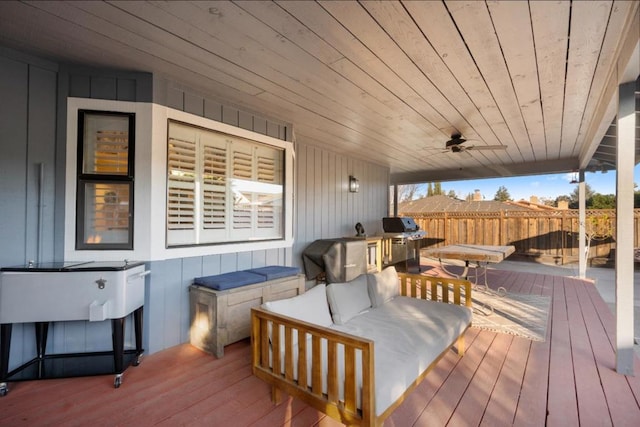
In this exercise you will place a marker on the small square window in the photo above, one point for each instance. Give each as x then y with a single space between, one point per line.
106 214
105 144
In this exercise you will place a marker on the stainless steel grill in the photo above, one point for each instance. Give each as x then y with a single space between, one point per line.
402 241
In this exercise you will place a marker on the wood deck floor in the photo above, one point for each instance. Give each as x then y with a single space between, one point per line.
502 380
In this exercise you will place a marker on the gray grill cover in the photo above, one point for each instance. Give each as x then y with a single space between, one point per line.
341 260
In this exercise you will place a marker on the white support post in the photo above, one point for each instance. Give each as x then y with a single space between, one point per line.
395 199
625 149
583 257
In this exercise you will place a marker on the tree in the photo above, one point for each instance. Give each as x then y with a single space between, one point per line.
407 192
452 194
575 195
429 190
548 201
437 189
597 227
602 201
502 195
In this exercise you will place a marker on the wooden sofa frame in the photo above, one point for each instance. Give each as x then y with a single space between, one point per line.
267 365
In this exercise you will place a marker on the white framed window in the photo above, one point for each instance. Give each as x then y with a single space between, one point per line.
222 188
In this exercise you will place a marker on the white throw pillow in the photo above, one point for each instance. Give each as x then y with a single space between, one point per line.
383 286
348 299
310 307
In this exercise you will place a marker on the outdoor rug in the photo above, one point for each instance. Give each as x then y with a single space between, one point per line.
517 314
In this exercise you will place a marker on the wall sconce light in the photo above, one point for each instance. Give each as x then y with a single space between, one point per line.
354 184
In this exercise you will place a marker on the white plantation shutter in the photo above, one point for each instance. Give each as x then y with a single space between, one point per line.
111 152
214 187
182 184
242 197
181 187
221 188
269 200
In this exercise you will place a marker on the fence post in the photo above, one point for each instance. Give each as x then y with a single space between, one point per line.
446 235
502 239
563 236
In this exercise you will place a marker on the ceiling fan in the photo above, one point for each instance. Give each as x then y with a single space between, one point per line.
454 145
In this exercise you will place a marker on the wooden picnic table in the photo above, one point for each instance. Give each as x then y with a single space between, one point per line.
476 253
482 255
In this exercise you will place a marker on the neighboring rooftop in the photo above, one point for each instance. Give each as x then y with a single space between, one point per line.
443 203
534 204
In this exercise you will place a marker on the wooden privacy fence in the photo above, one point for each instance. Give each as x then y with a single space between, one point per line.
550 236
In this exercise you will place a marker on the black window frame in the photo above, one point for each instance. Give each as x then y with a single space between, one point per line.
83 178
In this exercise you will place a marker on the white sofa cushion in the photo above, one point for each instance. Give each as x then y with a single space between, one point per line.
310 306
409 334
348 299
383 286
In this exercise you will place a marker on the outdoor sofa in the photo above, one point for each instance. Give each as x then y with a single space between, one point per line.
368 342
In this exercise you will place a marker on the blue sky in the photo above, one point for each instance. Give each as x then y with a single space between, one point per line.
549 186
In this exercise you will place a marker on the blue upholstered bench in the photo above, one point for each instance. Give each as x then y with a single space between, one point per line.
221 304
272 272
235 279
221 282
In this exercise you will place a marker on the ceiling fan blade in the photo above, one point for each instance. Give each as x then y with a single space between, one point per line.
486 147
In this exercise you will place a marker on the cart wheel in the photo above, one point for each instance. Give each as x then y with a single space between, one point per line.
117 381
3 389
137 361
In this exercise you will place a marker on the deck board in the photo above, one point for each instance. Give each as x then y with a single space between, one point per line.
472 406
439 410
561 405
620 398
532 403
501 380
591 399
502 406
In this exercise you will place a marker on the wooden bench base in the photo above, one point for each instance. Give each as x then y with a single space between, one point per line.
219 318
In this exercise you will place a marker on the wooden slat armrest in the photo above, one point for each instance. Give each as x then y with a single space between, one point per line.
436 288
322 393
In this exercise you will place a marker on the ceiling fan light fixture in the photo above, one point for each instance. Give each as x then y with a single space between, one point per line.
456 139
454 145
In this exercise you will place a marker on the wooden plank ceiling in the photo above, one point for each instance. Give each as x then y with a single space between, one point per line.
387 82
